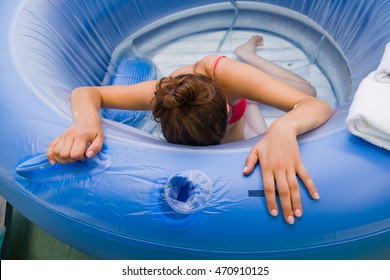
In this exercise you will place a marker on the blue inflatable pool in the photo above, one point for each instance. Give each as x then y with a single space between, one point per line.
147 199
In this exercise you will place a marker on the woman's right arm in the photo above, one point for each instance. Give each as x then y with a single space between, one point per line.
84 138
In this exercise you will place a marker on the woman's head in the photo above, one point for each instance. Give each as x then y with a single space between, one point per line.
191 109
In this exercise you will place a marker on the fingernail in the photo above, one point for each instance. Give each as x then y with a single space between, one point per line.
298 213
245 169
290 220
90 154
316 196
52 162
274 212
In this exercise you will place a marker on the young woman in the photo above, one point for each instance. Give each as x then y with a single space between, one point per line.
206 104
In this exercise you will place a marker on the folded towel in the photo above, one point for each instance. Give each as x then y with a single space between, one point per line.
369 114
382 74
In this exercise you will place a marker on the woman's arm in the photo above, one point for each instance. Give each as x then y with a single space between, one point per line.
84 138
279 157
278 151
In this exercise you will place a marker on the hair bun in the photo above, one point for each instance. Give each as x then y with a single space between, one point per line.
179 91
188 105
183 91
181 96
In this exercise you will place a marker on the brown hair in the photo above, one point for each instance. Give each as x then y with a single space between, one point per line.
191 109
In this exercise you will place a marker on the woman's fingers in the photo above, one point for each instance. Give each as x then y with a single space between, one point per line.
294 193
289 194
77 151
269 191
307 181
76 143
283 178
62 150
95 146
50 151
284 196
66 150
251 161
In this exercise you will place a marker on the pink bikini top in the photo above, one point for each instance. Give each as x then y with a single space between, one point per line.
238 109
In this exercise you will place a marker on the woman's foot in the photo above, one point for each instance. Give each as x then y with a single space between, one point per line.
250 46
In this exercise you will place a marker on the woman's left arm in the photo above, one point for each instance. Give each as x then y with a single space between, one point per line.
278 151
280 161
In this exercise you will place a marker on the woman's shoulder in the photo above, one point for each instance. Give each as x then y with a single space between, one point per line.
204 66
207 64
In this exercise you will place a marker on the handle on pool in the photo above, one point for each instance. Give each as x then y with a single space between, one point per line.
38 168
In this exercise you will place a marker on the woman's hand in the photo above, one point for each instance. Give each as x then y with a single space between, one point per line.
81 140
280 164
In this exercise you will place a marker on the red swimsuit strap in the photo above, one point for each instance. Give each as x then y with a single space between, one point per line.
216 63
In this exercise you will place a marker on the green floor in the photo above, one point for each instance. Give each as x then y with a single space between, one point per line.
26 241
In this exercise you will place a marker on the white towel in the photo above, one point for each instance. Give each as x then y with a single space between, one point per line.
369 114
382 74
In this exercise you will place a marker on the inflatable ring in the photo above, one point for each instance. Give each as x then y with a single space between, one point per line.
144 198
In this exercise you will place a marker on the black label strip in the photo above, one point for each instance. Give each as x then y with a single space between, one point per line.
259 193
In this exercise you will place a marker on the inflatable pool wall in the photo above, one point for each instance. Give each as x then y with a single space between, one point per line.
144 198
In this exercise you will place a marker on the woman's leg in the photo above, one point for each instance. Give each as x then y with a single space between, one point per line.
247 52
254 120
